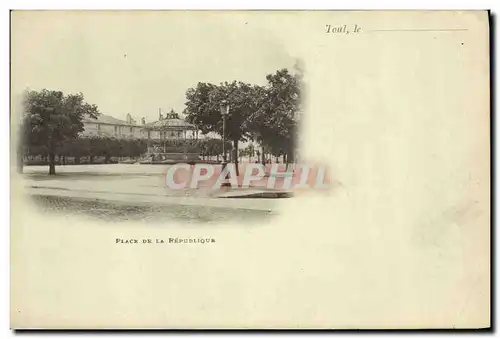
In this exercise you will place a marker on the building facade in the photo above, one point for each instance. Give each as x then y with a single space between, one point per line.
108 126
169 126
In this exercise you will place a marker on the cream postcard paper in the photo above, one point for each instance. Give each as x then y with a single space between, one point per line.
394 105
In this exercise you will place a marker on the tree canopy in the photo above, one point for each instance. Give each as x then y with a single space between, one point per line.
267 114
51 118
274 123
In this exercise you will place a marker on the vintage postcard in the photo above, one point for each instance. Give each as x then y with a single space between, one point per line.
250 170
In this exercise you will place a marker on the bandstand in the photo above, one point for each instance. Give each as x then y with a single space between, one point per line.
171 138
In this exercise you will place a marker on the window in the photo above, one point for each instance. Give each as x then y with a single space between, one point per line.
98 128
116 129
130 129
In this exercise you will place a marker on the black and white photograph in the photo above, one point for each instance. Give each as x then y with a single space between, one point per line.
250 169
102 144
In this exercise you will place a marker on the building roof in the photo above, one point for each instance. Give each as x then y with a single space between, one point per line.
108 120
170 121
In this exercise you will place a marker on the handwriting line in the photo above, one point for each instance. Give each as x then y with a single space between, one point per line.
420 30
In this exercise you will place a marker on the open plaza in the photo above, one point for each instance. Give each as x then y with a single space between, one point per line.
121 192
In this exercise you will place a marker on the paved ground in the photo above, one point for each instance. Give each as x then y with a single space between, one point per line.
137 192
117 211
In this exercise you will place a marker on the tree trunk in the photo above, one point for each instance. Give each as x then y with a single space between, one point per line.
91 160
235 152
52 163
263 156
290 158
77 160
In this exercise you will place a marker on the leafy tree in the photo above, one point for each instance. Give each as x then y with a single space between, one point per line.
137 148
250 152
203 109
274 123
111 147
52 118
213 147
95 148
242 153
76 148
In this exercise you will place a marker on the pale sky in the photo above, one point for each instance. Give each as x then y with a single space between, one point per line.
137 62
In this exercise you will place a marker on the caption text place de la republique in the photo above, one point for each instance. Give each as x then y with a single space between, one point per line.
165 241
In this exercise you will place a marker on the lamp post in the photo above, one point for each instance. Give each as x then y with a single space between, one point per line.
224 111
